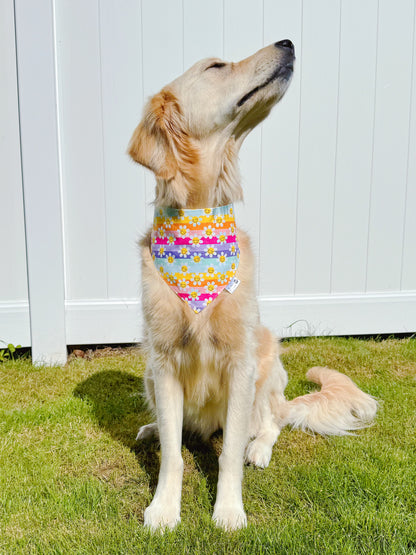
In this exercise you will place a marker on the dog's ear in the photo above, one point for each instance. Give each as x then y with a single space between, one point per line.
160 141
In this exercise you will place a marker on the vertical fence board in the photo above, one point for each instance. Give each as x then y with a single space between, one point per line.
81 138
280 151
122 98
13 282
40 171
318 113
354 145
391 140
408 275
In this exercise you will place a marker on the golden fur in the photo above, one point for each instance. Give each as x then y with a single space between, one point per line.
219 368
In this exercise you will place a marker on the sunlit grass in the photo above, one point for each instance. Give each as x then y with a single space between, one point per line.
73 479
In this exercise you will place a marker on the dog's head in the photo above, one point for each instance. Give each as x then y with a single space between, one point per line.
207 112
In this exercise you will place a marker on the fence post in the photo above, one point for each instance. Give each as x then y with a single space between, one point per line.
41 178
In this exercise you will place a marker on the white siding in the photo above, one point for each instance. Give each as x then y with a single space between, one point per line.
329 178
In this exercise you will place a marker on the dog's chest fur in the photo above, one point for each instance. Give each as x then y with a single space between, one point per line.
199 348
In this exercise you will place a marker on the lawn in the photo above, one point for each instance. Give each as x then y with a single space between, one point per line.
73 479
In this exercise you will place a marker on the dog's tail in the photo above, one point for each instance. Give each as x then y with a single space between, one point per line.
337 409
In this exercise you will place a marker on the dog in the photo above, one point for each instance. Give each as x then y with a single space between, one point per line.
212 365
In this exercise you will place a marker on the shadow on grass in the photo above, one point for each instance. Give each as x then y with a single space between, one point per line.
119 407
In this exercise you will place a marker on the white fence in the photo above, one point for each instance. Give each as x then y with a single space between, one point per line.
329 179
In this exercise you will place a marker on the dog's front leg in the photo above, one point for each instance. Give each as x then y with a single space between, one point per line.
229 511
164 510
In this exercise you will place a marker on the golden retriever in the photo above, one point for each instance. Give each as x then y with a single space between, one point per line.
219 368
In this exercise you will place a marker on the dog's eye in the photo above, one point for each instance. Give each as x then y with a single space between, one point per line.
216 64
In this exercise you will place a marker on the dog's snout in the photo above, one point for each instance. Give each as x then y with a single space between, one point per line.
286 43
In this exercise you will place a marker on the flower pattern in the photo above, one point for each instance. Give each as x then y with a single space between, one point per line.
209 231
210 251
195 251
211 286
222 258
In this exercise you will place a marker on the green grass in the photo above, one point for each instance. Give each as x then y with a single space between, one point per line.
73 479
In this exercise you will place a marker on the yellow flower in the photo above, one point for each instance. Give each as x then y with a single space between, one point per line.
222 278
197 279
211 286
197 258
211 270
209 231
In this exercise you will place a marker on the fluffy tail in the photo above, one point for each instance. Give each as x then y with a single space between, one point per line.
338 408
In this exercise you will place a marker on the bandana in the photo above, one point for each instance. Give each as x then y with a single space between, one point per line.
196 251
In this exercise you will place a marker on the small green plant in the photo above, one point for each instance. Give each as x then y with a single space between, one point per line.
8 352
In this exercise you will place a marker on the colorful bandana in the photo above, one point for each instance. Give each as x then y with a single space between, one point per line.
196 251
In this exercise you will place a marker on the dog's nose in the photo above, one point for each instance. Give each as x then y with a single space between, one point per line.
286 43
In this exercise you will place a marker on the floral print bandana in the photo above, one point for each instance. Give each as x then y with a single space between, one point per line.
196 251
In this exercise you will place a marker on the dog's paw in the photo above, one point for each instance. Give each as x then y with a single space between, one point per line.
258 453
147 432
159 516
230 517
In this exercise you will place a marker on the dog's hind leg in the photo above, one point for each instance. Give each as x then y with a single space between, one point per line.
149 431
270 387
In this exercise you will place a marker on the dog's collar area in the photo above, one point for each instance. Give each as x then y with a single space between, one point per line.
195 251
